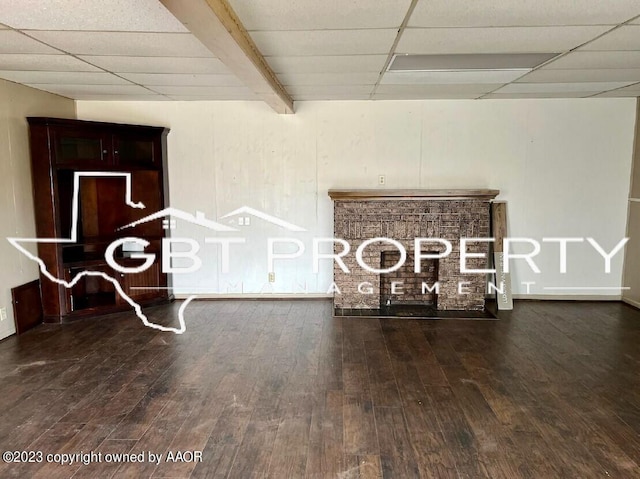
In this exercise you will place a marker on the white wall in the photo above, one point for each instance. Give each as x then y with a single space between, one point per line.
17 214
563 166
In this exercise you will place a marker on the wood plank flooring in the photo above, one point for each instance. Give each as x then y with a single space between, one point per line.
281 389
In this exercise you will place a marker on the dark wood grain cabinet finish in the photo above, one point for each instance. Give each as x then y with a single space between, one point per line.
59 150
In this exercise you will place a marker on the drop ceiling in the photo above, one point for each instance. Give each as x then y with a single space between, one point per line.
326 50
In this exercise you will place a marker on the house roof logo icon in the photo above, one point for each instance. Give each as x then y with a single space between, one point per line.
198 219
246 210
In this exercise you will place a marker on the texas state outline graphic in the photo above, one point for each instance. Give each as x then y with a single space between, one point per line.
16 242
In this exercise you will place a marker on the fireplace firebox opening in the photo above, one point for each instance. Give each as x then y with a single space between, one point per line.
404 286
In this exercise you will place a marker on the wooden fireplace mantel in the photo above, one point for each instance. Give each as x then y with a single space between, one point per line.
381 194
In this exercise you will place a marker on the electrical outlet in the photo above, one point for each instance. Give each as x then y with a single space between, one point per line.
3 314
272 277
381 180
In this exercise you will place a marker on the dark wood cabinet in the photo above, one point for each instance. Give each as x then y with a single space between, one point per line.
103 153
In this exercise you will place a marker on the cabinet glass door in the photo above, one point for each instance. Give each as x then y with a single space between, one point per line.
137 151
80 147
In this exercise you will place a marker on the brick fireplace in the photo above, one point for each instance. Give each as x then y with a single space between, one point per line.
403 215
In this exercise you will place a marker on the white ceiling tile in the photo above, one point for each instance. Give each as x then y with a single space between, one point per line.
635 86
585 60
440 77
236 91
560 87
327 96
492 13
182 79
324 42
3 27
119 97
623 38
132 64
469 61
426 96
328 78
575 94
63 78
329 90
495 40
323 15
327 64
575 75
219 97
16 42
632 90
72 90
54 63
125 43
106 15
443 89
619 94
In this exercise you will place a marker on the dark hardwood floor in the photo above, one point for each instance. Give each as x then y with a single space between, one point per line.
282 389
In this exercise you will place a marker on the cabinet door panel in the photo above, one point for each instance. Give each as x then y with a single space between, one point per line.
141 286
81 147
137 150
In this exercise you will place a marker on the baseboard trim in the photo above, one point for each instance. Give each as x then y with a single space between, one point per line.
569 297
535 297
270 296
631 302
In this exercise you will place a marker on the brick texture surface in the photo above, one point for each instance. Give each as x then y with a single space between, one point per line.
357 221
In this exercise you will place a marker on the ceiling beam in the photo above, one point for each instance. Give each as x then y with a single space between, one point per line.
216 25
